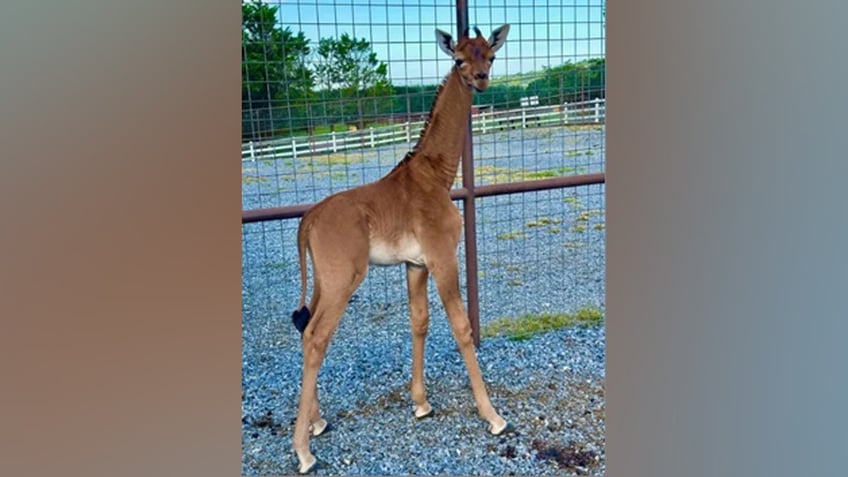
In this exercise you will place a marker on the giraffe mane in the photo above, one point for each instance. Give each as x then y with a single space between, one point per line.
425 129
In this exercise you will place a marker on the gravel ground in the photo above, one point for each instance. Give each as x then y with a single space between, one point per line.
551 387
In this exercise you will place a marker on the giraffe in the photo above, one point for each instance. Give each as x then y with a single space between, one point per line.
405 217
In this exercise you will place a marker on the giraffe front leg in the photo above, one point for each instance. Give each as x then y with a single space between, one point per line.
416 280
447 282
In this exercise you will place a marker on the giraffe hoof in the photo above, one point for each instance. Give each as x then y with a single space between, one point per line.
323 429
309 468
507 429
425 416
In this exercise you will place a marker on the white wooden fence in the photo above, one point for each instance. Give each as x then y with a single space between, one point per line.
484 121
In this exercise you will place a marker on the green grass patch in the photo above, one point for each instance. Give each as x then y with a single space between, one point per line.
585 127
529 325
574 202
511 236
573 244
541 174
542 221
512 268
599 226
248 180
514 283
588 152
335 159
487 174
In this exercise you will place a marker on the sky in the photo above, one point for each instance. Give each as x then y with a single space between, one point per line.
402 33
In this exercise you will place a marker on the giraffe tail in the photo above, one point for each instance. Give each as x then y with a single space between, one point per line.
300 317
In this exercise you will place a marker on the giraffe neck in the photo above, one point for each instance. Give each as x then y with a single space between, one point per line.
438 150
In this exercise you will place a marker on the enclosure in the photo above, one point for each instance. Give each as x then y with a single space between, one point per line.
334 94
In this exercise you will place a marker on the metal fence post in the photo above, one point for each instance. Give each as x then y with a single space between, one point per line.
469 211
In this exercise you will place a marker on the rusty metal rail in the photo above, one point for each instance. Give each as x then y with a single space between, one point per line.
462 193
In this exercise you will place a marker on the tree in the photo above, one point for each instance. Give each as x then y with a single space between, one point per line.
351 67
570 82
274 72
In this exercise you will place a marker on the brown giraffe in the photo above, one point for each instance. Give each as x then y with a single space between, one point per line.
406 217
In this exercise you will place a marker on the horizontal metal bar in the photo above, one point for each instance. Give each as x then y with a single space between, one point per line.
295 211
539 184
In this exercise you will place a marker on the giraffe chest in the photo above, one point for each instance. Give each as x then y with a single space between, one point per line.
404 250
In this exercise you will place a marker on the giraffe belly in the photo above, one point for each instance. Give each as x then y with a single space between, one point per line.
405 250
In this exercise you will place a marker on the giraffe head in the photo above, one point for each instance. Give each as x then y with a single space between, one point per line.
473 56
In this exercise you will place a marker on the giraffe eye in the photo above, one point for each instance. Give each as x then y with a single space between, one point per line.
492 59
458 63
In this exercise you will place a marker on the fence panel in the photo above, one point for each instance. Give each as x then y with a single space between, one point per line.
538 253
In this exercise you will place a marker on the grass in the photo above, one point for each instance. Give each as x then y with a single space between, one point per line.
580 153
262 180
487 174
584 127
543 221
529 325
511 235
336 159
574 202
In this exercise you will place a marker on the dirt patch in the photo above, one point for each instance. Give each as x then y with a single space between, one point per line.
266 421
570 457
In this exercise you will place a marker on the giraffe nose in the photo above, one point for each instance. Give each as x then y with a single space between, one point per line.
481 76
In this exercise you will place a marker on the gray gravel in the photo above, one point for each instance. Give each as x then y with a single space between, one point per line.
551 387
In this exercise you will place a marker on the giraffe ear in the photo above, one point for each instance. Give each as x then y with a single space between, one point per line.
445 42
498 37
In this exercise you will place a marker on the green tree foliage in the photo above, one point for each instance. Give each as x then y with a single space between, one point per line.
354 82
276 82
290 87
570 82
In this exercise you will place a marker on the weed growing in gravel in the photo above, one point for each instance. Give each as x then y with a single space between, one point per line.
526 326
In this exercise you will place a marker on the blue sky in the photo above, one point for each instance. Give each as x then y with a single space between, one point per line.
542 33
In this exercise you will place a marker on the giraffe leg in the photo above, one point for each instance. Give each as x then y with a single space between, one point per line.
416 280
338 271
317 425
445 274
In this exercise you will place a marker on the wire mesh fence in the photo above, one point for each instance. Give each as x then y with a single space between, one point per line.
309 132
335 94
